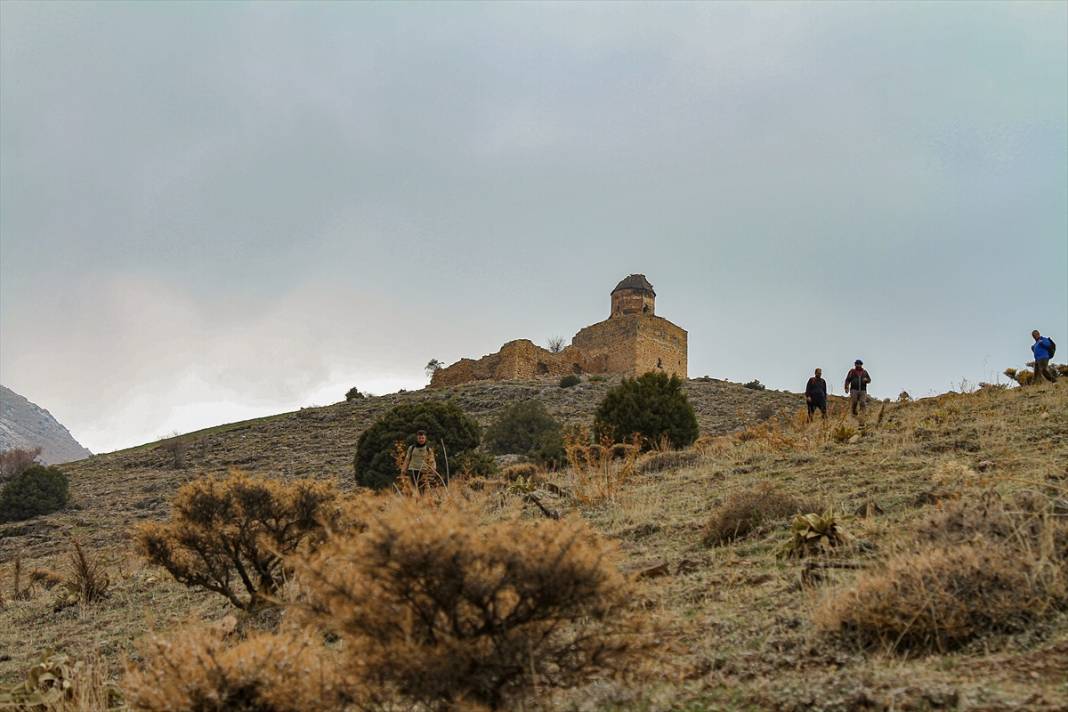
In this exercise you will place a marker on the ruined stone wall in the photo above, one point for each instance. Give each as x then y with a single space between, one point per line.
520 359
631 345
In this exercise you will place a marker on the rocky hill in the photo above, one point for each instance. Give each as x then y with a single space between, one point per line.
27 425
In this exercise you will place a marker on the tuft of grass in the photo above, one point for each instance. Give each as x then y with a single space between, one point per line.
813 534
842 433
668 460
744 512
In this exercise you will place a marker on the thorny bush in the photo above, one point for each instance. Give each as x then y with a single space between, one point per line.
437 610
744 512
232 535
197 671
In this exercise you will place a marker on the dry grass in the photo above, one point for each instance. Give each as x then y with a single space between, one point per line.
745 512
598 471
57 684
737 634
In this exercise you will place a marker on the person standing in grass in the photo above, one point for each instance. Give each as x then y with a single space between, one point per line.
856 385
1043 350
419 461
816 394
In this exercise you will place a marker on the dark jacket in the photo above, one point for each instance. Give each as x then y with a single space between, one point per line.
816 389
857 379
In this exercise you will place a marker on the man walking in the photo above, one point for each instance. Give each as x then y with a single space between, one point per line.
816 394
419 462
1043 349
856 385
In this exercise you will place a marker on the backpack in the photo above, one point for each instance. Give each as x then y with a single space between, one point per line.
1052 347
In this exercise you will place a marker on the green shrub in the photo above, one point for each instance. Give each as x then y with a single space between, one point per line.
754 385
652 405
353 394
528 429
375 461
38 490
469 462
570 380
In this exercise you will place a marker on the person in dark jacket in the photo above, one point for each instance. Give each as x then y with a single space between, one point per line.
856 385
816 394
1043 351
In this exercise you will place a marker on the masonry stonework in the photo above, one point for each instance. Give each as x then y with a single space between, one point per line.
631 341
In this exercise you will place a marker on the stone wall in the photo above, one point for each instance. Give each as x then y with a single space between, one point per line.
520 359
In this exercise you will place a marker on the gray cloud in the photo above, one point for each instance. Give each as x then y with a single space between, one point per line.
211 211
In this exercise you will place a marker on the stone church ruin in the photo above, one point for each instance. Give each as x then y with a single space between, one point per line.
631 341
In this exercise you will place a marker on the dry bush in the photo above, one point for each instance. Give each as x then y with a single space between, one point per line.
87 581
598 470
524 470
987 565
15 461
668 460
743 512
56 684
954 474
197 671
937 599
175 447
1021 376
437 610
233 534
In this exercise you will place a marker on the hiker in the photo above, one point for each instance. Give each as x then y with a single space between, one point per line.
816 394
856 385
419 461
1043 349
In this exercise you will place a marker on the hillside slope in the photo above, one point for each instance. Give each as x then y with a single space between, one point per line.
27 425
738 621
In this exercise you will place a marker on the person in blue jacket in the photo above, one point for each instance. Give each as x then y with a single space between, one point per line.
1043 349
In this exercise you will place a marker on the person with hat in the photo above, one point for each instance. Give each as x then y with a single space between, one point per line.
419 461
856 385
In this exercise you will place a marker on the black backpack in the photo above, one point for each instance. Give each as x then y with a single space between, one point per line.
1052 347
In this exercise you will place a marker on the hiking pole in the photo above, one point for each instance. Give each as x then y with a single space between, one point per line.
445 453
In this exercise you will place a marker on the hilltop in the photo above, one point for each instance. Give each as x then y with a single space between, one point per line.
739 622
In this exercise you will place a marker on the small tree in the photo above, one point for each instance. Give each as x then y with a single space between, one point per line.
17 460
432 367
557 344
754 385
527 428
440 609
230 534
353 394
653 406
37 490
375 462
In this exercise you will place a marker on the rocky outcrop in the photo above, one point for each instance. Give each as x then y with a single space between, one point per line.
27 425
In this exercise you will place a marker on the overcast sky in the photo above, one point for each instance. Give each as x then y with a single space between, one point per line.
215 211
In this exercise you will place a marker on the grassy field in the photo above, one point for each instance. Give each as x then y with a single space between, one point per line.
737 621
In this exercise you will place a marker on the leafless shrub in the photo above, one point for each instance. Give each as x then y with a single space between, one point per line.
175 447
556 344
197 671
15 461
744 512
440 611
232 534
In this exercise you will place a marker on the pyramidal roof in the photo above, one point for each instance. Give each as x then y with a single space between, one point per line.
637 282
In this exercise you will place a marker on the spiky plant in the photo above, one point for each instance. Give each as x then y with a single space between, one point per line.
813 534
